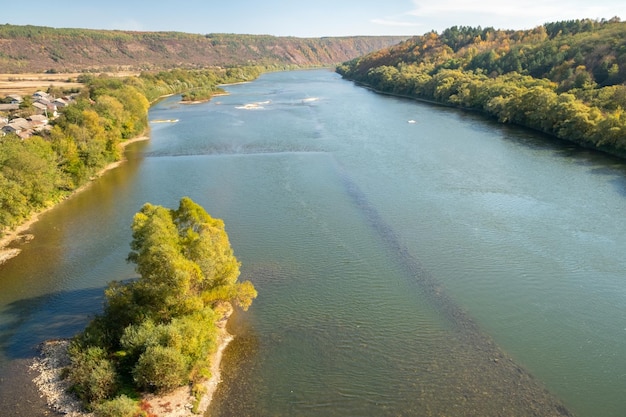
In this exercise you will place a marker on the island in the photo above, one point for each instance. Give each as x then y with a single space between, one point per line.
160 336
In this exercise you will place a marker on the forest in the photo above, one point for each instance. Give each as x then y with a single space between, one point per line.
566 79
40 171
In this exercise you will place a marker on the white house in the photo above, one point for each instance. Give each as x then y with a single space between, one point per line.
59 102
41 95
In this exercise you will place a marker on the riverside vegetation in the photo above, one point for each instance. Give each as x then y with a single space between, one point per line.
157 333
565 78
40 171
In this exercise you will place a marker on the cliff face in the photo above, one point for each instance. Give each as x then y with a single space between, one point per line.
39 49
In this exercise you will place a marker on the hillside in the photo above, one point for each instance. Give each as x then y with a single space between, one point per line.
569 53
39 49
567 79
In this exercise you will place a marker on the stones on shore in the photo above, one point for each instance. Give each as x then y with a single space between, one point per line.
53 358
49 365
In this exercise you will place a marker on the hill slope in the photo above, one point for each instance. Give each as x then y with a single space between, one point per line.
593 51
567 79
38 49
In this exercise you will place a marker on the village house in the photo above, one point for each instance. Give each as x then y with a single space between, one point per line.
10 128
48 109
15 99
9 107
19 126
45 106
38 122
42 95
59 102
25 134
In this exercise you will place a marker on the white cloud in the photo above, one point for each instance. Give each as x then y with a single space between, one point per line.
527 8
511 15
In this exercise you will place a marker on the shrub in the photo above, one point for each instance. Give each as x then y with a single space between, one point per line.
160 369
92 375
121 406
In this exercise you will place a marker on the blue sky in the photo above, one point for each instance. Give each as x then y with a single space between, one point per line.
308 18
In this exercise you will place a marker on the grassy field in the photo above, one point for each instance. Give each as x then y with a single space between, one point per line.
28 83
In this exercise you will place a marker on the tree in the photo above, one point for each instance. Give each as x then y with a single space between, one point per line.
159 330
160 369
92 374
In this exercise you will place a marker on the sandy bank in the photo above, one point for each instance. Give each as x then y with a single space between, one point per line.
19 234
48 368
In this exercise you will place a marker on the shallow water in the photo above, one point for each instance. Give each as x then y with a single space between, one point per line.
423 268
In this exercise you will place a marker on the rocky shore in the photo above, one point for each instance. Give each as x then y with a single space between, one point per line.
48 367
53 358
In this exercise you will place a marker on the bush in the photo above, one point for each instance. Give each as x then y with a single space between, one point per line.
121 406
92 375
160 369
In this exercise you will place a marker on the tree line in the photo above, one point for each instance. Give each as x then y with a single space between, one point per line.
566 79
37 172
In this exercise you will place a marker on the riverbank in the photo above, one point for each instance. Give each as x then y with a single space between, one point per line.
20 235
53 358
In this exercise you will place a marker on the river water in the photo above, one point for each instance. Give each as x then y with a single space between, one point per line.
443 266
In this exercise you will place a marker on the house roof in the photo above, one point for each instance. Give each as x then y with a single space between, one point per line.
25 134
8 107
20 122
11 128
43 100
38 118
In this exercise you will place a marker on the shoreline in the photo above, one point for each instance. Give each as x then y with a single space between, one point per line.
53 358
18 234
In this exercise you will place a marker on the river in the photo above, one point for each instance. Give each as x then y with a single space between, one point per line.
410 259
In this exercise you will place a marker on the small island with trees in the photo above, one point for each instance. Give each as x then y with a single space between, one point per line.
160 331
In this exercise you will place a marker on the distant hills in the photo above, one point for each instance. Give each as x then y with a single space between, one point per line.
39 49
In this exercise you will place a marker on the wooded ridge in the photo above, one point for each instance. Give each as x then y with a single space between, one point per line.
39 49
566 78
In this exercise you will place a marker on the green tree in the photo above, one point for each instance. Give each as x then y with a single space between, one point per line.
160 369
92 374
121 406
159 330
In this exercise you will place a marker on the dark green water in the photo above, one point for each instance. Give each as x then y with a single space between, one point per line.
449 266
